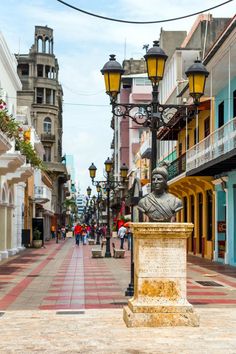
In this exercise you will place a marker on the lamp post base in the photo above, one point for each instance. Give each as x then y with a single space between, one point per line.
108 249
98 240
130 290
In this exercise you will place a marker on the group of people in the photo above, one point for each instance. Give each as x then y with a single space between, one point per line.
59 233
124 233
81 232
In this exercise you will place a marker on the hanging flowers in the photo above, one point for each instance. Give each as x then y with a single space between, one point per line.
12 129
8 124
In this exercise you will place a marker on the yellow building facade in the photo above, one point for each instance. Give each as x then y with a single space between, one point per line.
196 192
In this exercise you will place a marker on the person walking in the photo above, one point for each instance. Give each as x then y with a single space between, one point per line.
121 235
53 231
128 236
78 232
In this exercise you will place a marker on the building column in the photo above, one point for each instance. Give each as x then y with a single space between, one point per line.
20 191
3 234
196 223
11 246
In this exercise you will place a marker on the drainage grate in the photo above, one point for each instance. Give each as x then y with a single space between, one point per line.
32 275
208 283
70 312
119 303
1 314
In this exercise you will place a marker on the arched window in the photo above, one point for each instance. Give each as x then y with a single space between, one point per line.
47 125
47 45
40 44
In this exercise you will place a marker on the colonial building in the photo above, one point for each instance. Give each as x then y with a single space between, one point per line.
42 93
14 171
203 173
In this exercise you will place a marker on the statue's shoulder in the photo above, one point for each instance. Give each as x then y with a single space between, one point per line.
174 200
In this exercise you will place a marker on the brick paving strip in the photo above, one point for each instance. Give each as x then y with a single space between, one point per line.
17 296
65 276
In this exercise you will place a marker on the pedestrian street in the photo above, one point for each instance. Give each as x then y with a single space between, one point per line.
65 276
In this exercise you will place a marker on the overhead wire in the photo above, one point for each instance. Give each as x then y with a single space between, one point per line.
140 22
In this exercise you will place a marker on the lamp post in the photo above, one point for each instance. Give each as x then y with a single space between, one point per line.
108 185
153 115
98 187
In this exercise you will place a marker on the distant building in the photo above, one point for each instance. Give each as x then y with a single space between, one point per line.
42 93
81 203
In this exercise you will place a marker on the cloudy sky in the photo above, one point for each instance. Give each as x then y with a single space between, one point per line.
82 45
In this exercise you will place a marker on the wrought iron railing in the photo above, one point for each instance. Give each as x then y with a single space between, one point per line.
218 143
177 167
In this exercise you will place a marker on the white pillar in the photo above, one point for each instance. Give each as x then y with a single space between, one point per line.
20 190
11 247
3 240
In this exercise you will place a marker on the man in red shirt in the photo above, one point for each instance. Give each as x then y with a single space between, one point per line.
78 232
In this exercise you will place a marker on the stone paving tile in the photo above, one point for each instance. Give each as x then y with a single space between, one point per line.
69 271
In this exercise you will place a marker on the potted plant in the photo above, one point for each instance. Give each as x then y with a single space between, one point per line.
37 241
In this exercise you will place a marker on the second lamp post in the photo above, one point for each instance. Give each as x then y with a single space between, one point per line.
108 185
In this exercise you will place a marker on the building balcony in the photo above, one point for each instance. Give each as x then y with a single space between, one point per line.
211 156
10 162
177 167
47 137
20 175
146 148
215 154
42 194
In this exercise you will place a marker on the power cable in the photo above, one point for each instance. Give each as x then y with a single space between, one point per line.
141 22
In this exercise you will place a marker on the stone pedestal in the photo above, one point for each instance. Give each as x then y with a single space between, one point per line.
160 277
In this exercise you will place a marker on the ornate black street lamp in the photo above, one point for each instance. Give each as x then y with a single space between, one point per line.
108 185
153 115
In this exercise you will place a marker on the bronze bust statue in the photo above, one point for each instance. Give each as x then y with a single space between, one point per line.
159 205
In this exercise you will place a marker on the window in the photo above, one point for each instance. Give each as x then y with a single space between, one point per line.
40 44
209 214
47 125
40 70
39 98
206 127
48 72
23 69
48 96
47 155
142 81
221 114
185 205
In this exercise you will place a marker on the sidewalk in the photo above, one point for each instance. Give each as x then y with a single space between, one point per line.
103 331
60 300
64 276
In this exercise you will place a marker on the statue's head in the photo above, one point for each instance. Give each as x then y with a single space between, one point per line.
159 178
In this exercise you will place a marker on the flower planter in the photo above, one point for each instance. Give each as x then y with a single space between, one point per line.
37 243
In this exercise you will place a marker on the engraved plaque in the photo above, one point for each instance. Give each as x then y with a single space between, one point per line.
161 258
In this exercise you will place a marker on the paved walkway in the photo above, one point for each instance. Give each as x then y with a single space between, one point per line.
85 297
64 276
103 331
